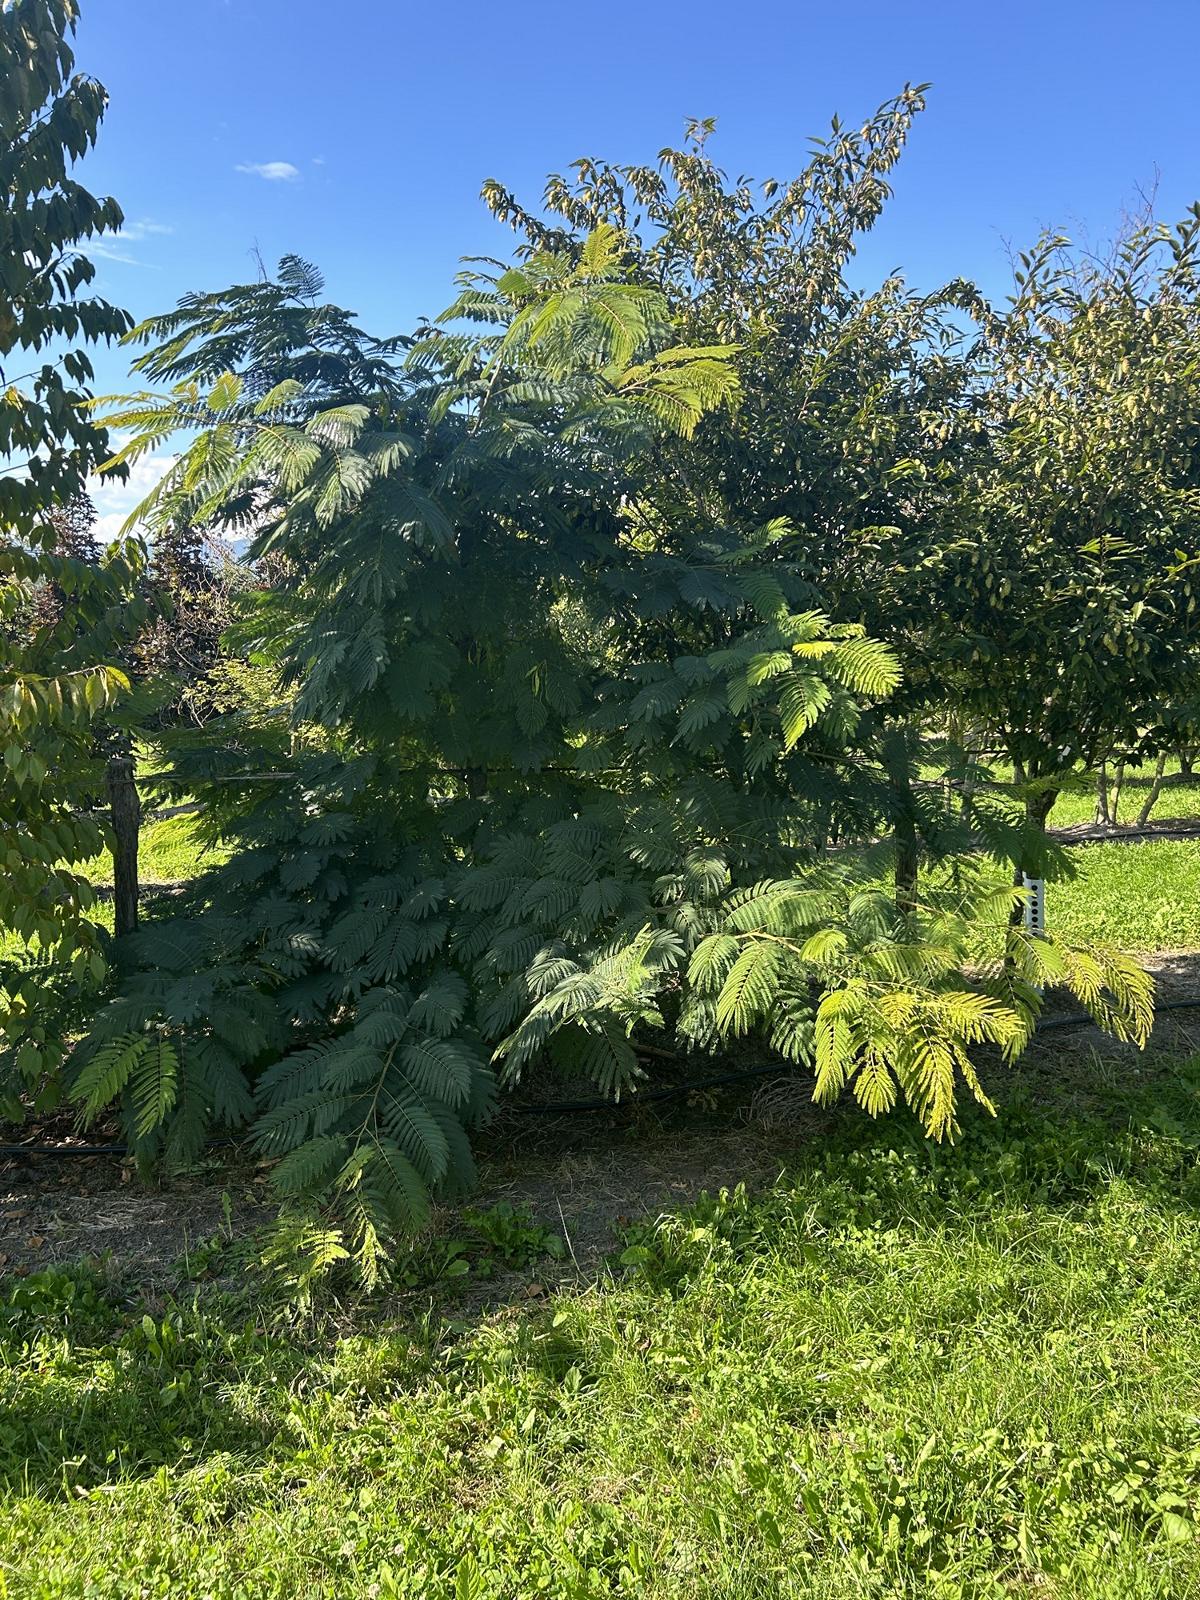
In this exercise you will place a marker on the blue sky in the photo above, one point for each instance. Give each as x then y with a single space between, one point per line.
359 134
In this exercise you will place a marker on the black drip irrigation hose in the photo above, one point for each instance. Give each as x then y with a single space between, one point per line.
8 1151
1079 1019
674 1091
556 1108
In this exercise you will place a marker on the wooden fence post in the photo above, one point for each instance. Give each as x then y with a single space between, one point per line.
126 812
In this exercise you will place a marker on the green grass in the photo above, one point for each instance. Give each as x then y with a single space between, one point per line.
1139 897
899 1371
1143 896
169 851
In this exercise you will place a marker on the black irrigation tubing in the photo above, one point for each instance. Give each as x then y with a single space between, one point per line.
1080 1019
554 1108
8 1151
673 1091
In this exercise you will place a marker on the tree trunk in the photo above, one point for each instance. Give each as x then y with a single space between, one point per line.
905 835
1155 790
1114 798
970 756
1102 795
126 812
908 856
1039 806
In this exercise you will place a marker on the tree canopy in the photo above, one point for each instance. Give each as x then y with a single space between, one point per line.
628 641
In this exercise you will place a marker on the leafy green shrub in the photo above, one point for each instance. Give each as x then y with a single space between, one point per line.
557 769
59 662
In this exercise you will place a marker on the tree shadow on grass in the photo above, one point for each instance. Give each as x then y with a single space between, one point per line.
95 1389
61 1443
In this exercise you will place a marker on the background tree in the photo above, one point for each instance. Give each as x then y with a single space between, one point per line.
56 675
198 577
1063 615
881 423
859 406
189 581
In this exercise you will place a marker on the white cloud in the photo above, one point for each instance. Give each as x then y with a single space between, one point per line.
107 250
273 171
111 246
114 500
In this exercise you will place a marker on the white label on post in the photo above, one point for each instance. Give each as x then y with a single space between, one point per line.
1035 904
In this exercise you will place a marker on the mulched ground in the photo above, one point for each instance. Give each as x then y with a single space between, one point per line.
62 1208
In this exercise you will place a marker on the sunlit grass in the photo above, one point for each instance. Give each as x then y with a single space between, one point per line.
901 1371
1140 897
1143 896
169 851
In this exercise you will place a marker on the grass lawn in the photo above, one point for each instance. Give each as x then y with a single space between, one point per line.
168 852
898 1371
1143 896
1140 897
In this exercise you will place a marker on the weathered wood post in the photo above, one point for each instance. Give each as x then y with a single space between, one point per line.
126 814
